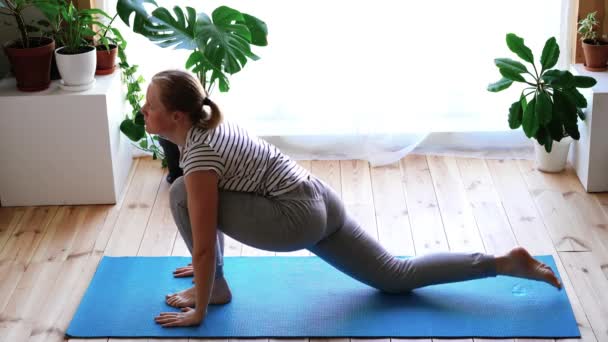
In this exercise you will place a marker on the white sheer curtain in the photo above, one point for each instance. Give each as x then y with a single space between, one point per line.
371 79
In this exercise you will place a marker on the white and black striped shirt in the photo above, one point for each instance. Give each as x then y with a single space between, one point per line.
242 161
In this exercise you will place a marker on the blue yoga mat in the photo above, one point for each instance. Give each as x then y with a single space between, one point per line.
276 297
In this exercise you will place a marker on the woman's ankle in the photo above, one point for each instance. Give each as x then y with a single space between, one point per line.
503 265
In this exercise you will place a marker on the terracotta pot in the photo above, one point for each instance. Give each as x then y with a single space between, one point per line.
106 59
596 56
32 66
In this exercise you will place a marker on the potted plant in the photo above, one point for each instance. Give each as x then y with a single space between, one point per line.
220 45
110 40
77 59
594 49
549 106
30 56
51 27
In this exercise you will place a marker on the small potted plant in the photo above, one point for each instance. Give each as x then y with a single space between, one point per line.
594 48
109 41
30 56
549 107
77 59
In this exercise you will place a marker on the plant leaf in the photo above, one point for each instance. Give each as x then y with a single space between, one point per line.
572 130
567 112
584 81
550 54
523 101
516 44
131 130
563 102
126 8
194 58
224 84
558 78
579 100
512 75
515 115
540 136
544 108
507 63
529 122
555 127
225 41
581 114
258 29
548 141
166 30
94 11
139 119
500 85
50 9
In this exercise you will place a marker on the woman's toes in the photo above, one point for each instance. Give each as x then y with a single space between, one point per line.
552 278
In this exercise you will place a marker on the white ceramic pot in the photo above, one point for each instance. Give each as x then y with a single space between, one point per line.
77 71
554 161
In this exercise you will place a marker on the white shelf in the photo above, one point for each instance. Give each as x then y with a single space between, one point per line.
589 153
63 148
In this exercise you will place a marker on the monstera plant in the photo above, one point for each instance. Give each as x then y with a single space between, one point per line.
549 107
220 44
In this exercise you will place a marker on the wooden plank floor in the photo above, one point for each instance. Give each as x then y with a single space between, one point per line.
419 205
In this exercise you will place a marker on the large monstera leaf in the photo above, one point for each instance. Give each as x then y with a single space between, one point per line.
178 31
125 8
161 26
224 39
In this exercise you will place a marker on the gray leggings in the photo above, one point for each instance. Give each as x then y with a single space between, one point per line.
313 217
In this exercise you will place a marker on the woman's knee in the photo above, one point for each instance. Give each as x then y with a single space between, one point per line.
177 193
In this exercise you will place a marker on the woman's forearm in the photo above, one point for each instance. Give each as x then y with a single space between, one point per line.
204 274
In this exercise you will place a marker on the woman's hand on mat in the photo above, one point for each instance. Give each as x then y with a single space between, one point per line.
188 317
185 271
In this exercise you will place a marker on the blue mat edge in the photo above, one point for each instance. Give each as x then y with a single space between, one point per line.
563 336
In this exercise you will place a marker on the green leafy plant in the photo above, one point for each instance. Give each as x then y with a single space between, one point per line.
549 107
220 45
133 124
586 29
15 9
110 35
77 26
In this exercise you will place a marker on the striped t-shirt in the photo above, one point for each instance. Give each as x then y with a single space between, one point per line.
243 162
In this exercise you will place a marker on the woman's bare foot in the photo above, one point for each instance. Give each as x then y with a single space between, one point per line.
220 294
181 299
519 263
